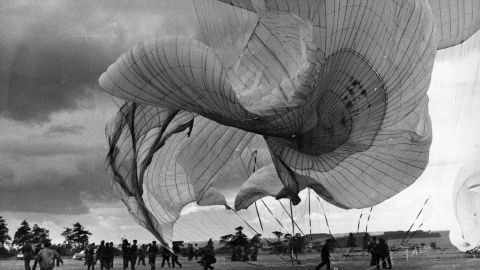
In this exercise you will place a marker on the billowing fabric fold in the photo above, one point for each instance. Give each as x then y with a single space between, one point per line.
333 93
455 20
466 204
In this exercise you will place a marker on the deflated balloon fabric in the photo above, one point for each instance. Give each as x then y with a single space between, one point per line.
335 93
464 232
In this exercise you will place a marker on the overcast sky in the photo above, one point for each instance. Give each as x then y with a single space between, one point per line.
52 119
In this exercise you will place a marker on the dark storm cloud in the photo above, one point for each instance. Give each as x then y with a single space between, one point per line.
33 148
48 191
51 75
53 52
6 175
65 130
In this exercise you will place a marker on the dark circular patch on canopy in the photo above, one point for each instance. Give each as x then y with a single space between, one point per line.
351 101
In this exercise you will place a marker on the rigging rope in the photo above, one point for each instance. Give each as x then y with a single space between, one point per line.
273 215
258 215
293 221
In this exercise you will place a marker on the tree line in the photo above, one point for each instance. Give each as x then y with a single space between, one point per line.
75 237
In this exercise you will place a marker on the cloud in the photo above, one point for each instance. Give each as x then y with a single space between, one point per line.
16 148
54 51
6 174
51 73
65 130
51 191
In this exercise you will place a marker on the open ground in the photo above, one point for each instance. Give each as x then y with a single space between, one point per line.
432 259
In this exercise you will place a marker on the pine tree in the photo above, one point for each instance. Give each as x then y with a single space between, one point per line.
40 235
68 236
23 234
79 235
4 237
278 234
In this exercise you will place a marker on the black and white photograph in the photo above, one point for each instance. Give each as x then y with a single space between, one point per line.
239 134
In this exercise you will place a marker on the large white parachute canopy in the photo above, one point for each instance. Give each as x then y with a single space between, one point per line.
466 200
280 95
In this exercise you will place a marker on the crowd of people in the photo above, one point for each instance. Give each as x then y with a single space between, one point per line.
379 251
134 255
104 254
46 258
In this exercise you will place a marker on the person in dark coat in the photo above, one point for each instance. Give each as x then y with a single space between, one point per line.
175 254
38 247
371 250
133 254
190 252
389 256
89 256
113 255
28 254
382 253
152 252
165 256
108 255
196 251
46 257
325 254
142 253
101 255
208 257
125 253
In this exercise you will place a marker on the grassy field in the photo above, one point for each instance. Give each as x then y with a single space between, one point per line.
429 260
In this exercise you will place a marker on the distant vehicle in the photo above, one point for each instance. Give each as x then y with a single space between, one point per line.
81 255
20 256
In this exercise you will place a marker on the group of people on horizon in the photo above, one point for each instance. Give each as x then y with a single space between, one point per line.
46 257
131 253
136 255
104 254
192 251
167 254
380 253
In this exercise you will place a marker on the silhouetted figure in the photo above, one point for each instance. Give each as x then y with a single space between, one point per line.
47 256
101 255
190 252
196 251
382 253
371 249
175 254
389 257
125 253
133 254
152 252
38 247
208 257
28 254
142 253
165 256
325 254
108 255
89 256
254 255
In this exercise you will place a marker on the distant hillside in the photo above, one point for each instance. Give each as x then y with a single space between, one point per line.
394 238
416 234
441 238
